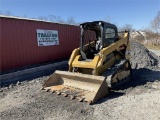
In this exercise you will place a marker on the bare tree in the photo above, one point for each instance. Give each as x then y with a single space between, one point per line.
7 13
155 23
127 27
59 19
155 26
52 18
71 21
42 18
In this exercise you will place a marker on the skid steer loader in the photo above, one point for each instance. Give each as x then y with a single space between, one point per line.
96 67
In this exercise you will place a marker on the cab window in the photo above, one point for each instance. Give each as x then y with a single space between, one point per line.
109 33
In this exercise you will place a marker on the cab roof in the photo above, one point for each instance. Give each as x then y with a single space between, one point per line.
97 23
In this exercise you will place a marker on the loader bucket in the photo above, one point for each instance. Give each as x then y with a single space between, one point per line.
83 87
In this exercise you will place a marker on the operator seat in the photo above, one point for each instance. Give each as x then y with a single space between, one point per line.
98 45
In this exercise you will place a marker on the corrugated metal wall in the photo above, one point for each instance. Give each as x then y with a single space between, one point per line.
19 45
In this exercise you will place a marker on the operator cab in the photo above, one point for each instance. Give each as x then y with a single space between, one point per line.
105 34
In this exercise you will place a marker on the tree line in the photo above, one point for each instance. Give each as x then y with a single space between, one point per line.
52 18
153 32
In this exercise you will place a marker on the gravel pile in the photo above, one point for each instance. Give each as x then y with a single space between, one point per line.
141 57
138 99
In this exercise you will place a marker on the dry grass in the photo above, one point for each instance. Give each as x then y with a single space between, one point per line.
152 47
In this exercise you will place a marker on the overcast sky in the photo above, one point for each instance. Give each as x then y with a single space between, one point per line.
139 13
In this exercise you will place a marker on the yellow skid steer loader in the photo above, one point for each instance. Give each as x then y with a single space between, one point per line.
98 65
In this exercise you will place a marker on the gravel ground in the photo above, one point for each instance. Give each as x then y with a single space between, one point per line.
138 99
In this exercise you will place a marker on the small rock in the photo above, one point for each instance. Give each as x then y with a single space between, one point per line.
18 83
154 86
10 86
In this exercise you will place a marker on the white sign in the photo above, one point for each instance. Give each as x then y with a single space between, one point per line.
47 37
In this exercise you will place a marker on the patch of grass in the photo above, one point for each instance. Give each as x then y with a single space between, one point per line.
152 47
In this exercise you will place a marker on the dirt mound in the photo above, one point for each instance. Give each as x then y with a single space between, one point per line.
142 57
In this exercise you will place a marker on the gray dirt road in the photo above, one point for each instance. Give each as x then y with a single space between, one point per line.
139 99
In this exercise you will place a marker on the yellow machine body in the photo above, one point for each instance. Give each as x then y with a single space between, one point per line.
84 79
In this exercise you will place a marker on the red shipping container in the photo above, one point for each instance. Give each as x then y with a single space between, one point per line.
19 47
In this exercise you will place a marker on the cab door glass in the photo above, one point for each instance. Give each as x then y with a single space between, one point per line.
110 33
